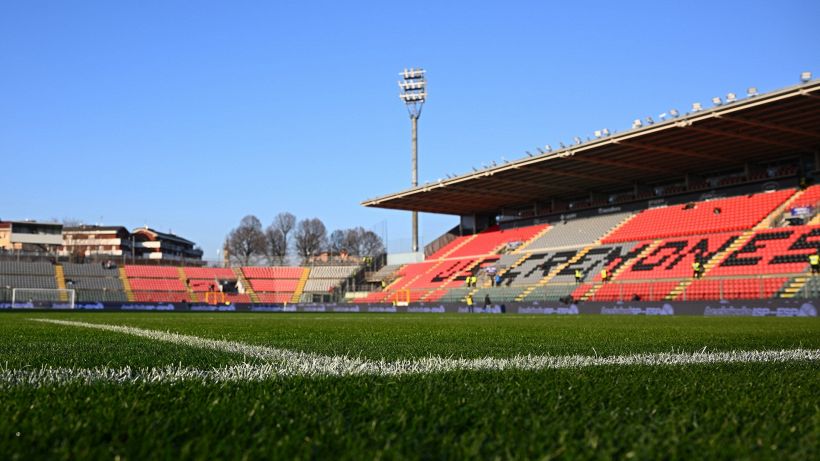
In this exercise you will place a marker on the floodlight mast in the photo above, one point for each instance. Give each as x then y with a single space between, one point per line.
413 91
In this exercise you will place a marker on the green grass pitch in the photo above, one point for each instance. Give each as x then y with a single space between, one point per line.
755 410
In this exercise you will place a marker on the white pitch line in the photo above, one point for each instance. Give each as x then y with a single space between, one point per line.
281 362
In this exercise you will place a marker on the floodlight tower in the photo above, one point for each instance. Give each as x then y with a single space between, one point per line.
413 91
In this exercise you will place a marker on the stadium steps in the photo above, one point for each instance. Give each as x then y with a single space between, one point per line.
240 277
518 262
679 290
184 279
739 242
774 217
591 292
649 249
535 237
615 229
489 282
597 286
553 273
441 291
708 265
126 285
300 287
59 275
794 286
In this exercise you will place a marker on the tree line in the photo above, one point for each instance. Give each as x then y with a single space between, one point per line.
251 243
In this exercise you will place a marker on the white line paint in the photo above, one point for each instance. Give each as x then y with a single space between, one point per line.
272 362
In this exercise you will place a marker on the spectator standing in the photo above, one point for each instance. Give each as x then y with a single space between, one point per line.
814 261
697 269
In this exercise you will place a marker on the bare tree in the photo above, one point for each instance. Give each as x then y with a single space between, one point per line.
285 222
246 243
276 248
353 240
337 242
371 244
361 242
310 238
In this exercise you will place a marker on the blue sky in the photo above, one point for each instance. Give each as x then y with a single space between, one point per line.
186 116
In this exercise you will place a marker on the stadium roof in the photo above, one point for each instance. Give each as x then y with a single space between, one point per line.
754 130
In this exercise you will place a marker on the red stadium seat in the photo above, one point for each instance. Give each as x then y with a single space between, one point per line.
721 215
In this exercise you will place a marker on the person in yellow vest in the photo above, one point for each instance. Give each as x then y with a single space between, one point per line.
579 276
604 275
814 261
697 269
469 303
473 280
384 284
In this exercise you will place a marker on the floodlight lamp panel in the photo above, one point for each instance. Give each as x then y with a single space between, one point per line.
717 101
805 76
697 107
751 91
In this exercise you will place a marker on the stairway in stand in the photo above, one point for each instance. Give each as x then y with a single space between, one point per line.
440 291
59 275
300 287
184 279
717 258
595 287
129 294
535 237
553 273
240 277
794 286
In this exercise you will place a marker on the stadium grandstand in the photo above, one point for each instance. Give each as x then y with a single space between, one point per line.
713 204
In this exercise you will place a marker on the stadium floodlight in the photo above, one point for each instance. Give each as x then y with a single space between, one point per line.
674 113
637 123
577 140
717 101
413 91
649 121
605 131
548 148
751 91
563 146
597 133
731 97
697 107
805 76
